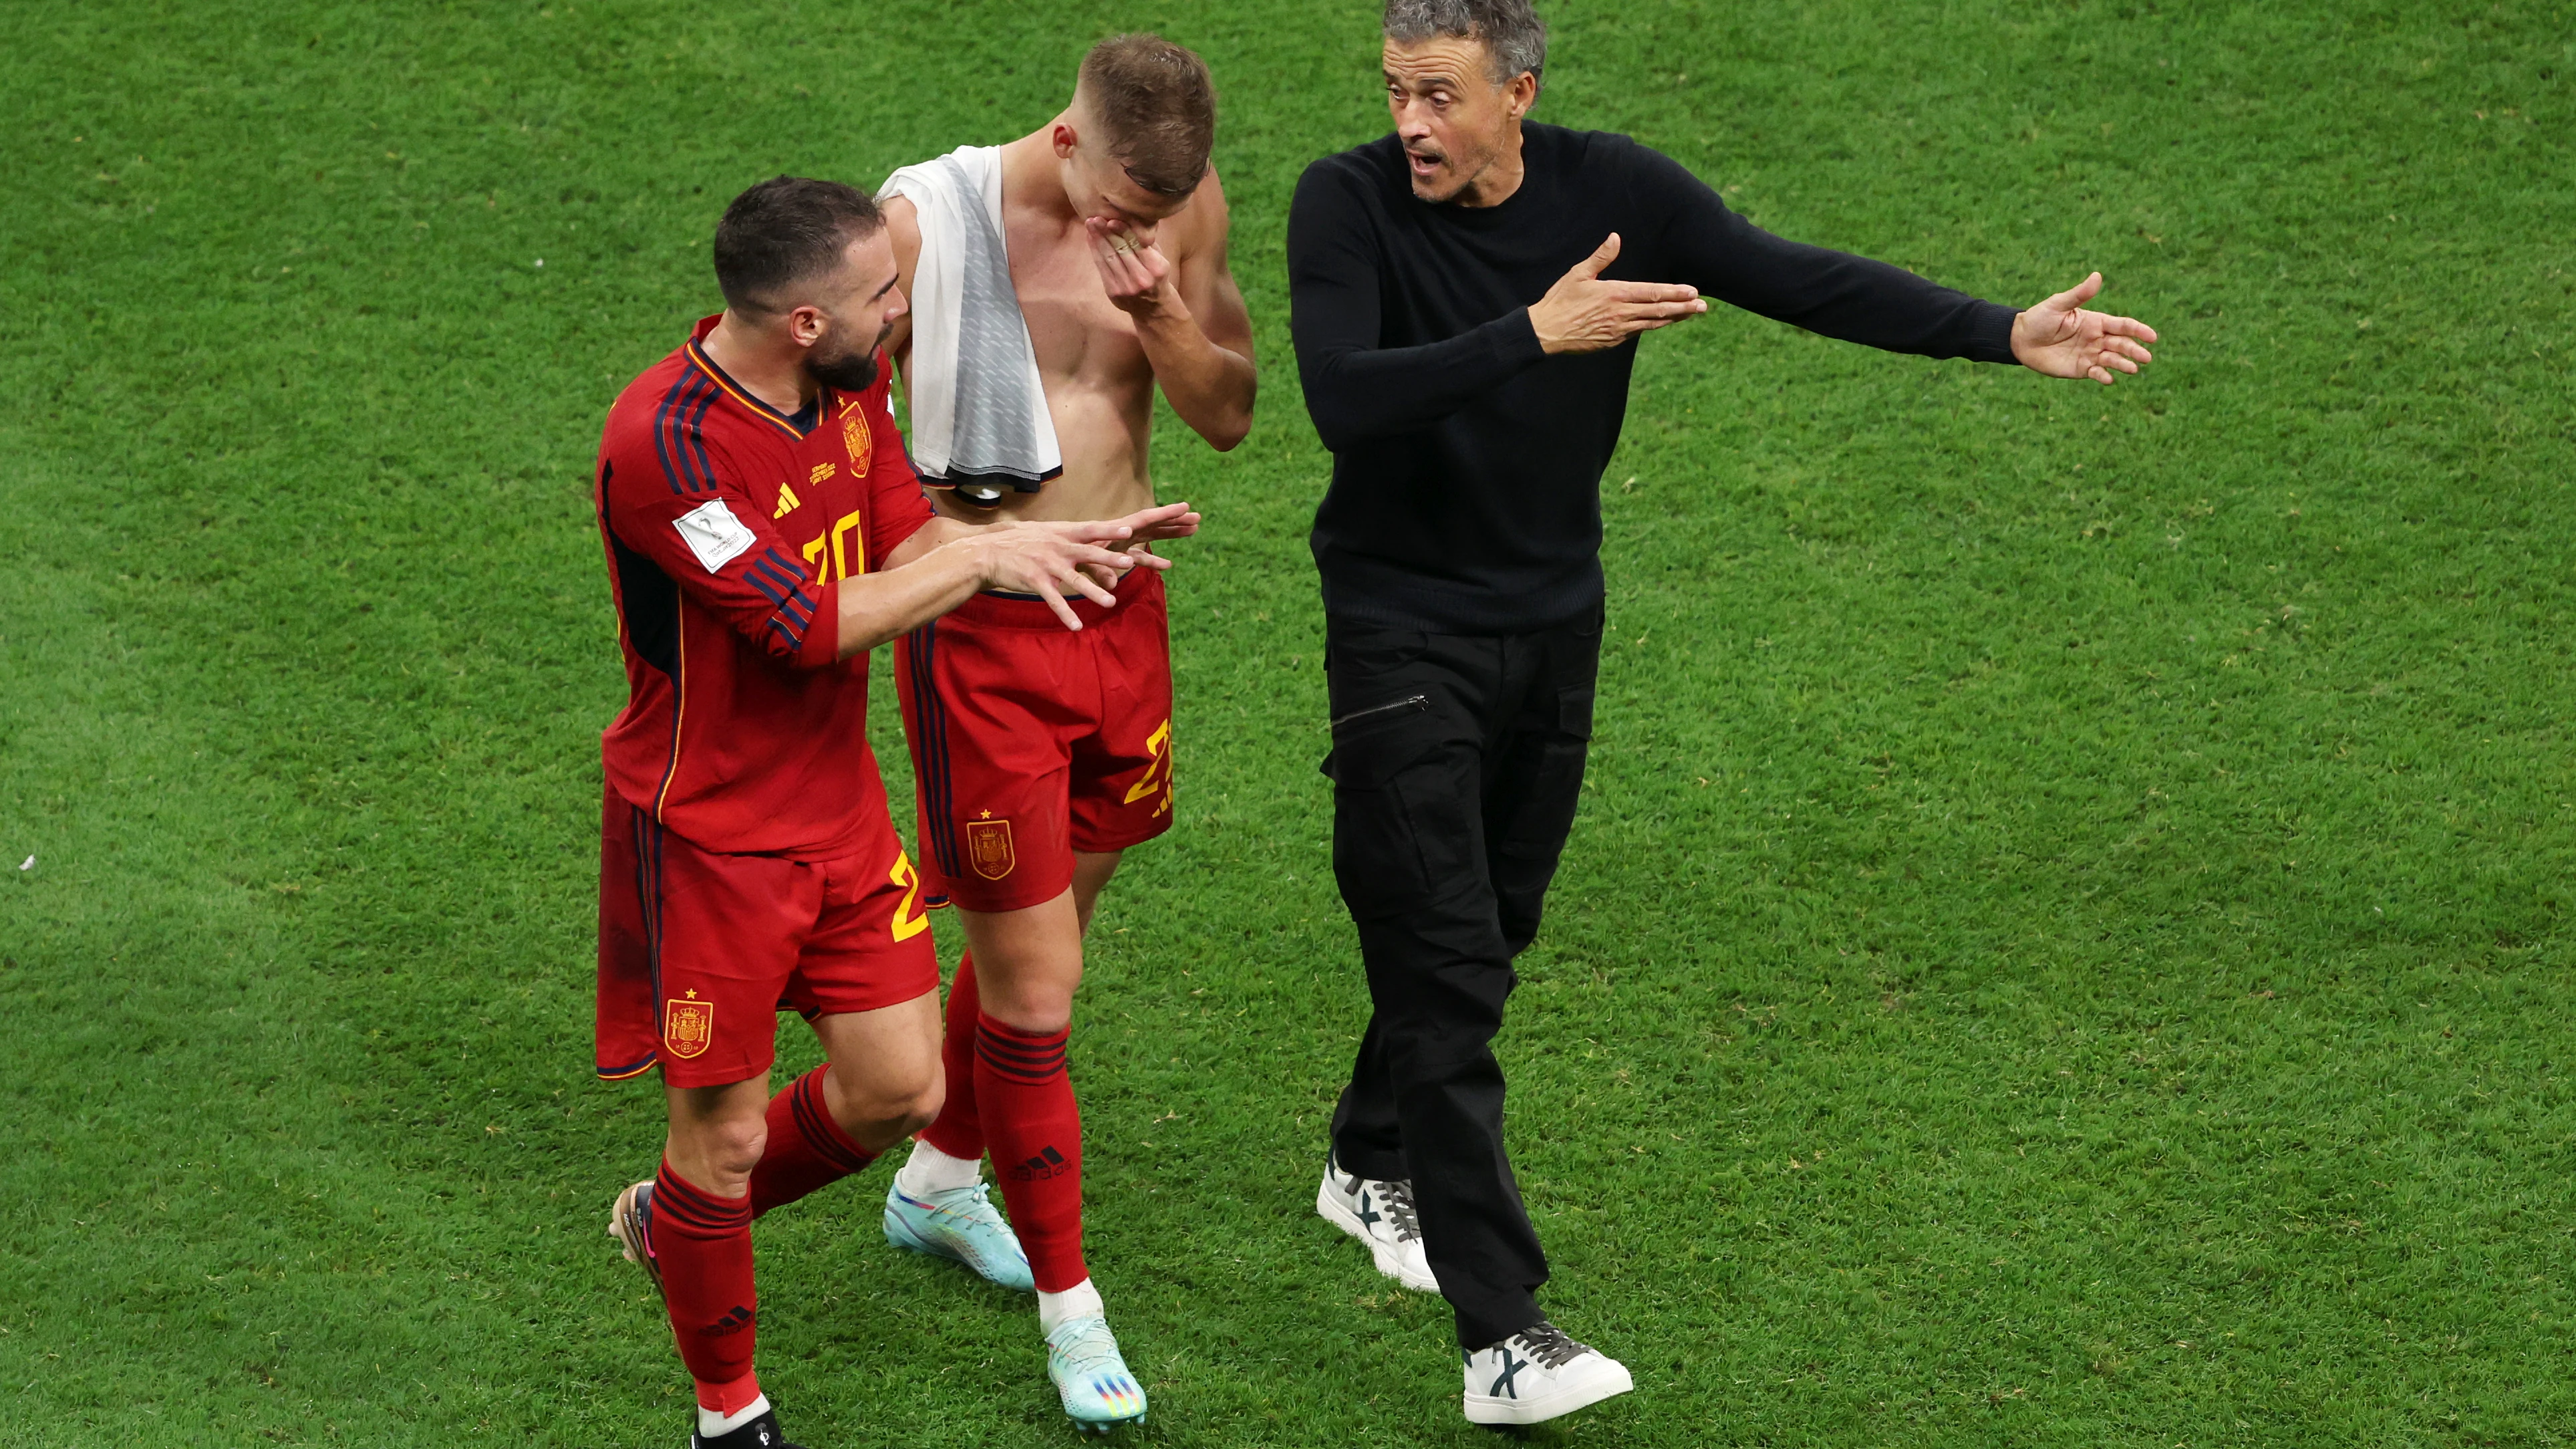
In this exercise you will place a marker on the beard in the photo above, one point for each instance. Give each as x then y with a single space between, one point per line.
1460 169
854 371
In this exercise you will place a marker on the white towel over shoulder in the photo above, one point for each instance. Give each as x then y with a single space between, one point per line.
978 407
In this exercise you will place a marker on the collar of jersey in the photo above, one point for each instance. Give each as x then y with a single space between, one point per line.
732 389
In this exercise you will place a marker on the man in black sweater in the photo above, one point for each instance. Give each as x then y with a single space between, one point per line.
1466 297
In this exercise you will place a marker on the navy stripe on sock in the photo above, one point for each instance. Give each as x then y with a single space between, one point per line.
814 1119
685 1205
1030 1062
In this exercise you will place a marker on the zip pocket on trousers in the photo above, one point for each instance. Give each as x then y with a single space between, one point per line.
1412 701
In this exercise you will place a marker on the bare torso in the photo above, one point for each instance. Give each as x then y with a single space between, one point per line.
1098 379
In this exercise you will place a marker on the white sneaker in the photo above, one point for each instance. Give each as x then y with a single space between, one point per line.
1537 1374
1381 1215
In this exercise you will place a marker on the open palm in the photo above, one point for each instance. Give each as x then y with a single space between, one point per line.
2060 338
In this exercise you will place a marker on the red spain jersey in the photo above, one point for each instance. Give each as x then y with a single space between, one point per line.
729 526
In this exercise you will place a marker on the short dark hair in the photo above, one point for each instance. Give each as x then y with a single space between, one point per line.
1156 105
1515 39
786 230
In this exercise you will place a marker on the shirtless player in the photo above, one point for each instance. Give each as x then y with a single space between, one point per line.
1042 754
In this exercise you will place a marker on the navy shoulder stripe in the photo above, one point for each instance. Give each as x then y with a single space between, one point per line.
676 435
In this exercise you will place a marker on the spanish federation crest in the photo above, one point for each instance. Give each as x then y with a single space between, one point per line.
854 431
988 848
688 1027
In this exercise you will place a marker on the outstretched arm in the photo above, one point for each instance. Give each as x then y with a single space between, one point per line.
1833 293
1870 302
1189 314
947 560
930 581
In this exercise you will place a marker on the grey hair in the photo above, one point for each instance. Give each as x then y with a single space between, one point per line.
1515 39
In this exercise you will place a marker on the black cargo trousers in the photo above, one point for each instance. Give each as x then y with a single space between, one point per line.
1456 764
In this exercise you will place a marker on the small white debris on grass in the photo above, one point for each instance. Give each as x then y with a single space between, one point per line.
541 261
28 864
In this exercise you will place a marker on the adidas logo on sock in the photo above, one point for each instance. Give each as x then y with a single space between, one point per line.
733 1322
1046 1164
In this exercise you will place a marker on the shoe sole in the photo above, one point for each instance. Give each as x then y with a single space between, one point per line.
899 1233
626 1225
1384 1257
1483 1410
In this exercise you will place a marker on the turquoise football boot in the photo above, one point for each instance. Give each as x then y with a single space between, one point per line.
1091 1378
961 1226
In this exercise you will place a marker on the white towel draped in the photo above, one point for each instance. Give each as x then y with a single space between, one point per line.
978 408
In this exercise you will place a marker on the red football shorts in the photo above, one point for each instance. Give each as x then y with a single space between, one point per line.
699 952
1031 741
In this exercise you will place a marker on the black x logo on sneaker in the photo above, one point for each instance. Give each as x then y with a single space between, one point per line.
1503 1383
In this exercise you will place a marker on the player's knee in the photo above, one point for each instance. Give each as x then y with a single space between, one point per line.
911 1102
732 1149
1037 1002
1037 1016
895 1105
921 1108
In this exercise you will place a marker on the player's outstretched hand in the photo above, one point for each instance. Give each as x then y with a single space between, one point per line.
2060 338
1133 269
1164 520
1052 560
1145 525
1583 313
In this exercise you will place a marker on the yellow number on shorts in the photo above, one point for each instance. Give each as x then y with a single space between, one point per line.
1158 773
908 918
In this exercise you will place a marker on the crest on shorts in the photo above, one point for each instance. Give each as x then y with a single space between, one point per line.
988 848
688 1027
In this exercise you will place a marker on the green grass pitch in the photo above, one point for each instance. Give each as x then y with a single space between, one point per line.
2066 942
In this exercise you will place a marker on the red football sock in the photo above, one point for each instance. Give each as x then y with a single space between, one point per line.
730 1399
703 1244
806 1150
1036 1135
958 1131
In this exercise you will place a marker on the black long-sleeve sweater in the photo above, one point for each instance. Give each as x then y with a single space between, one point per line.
1466 494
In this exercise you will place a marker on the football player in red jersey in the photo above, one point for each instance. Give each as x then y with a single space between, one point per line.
763 531
1041 757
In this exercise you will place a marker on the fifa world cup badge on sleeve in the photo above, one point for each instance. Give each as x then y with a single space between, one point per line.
713 533
988 846
688 1027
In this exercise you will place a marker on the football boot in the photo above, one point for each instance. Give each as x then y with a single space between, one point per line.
1091 1378
962 1226
760 1433
631 1224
